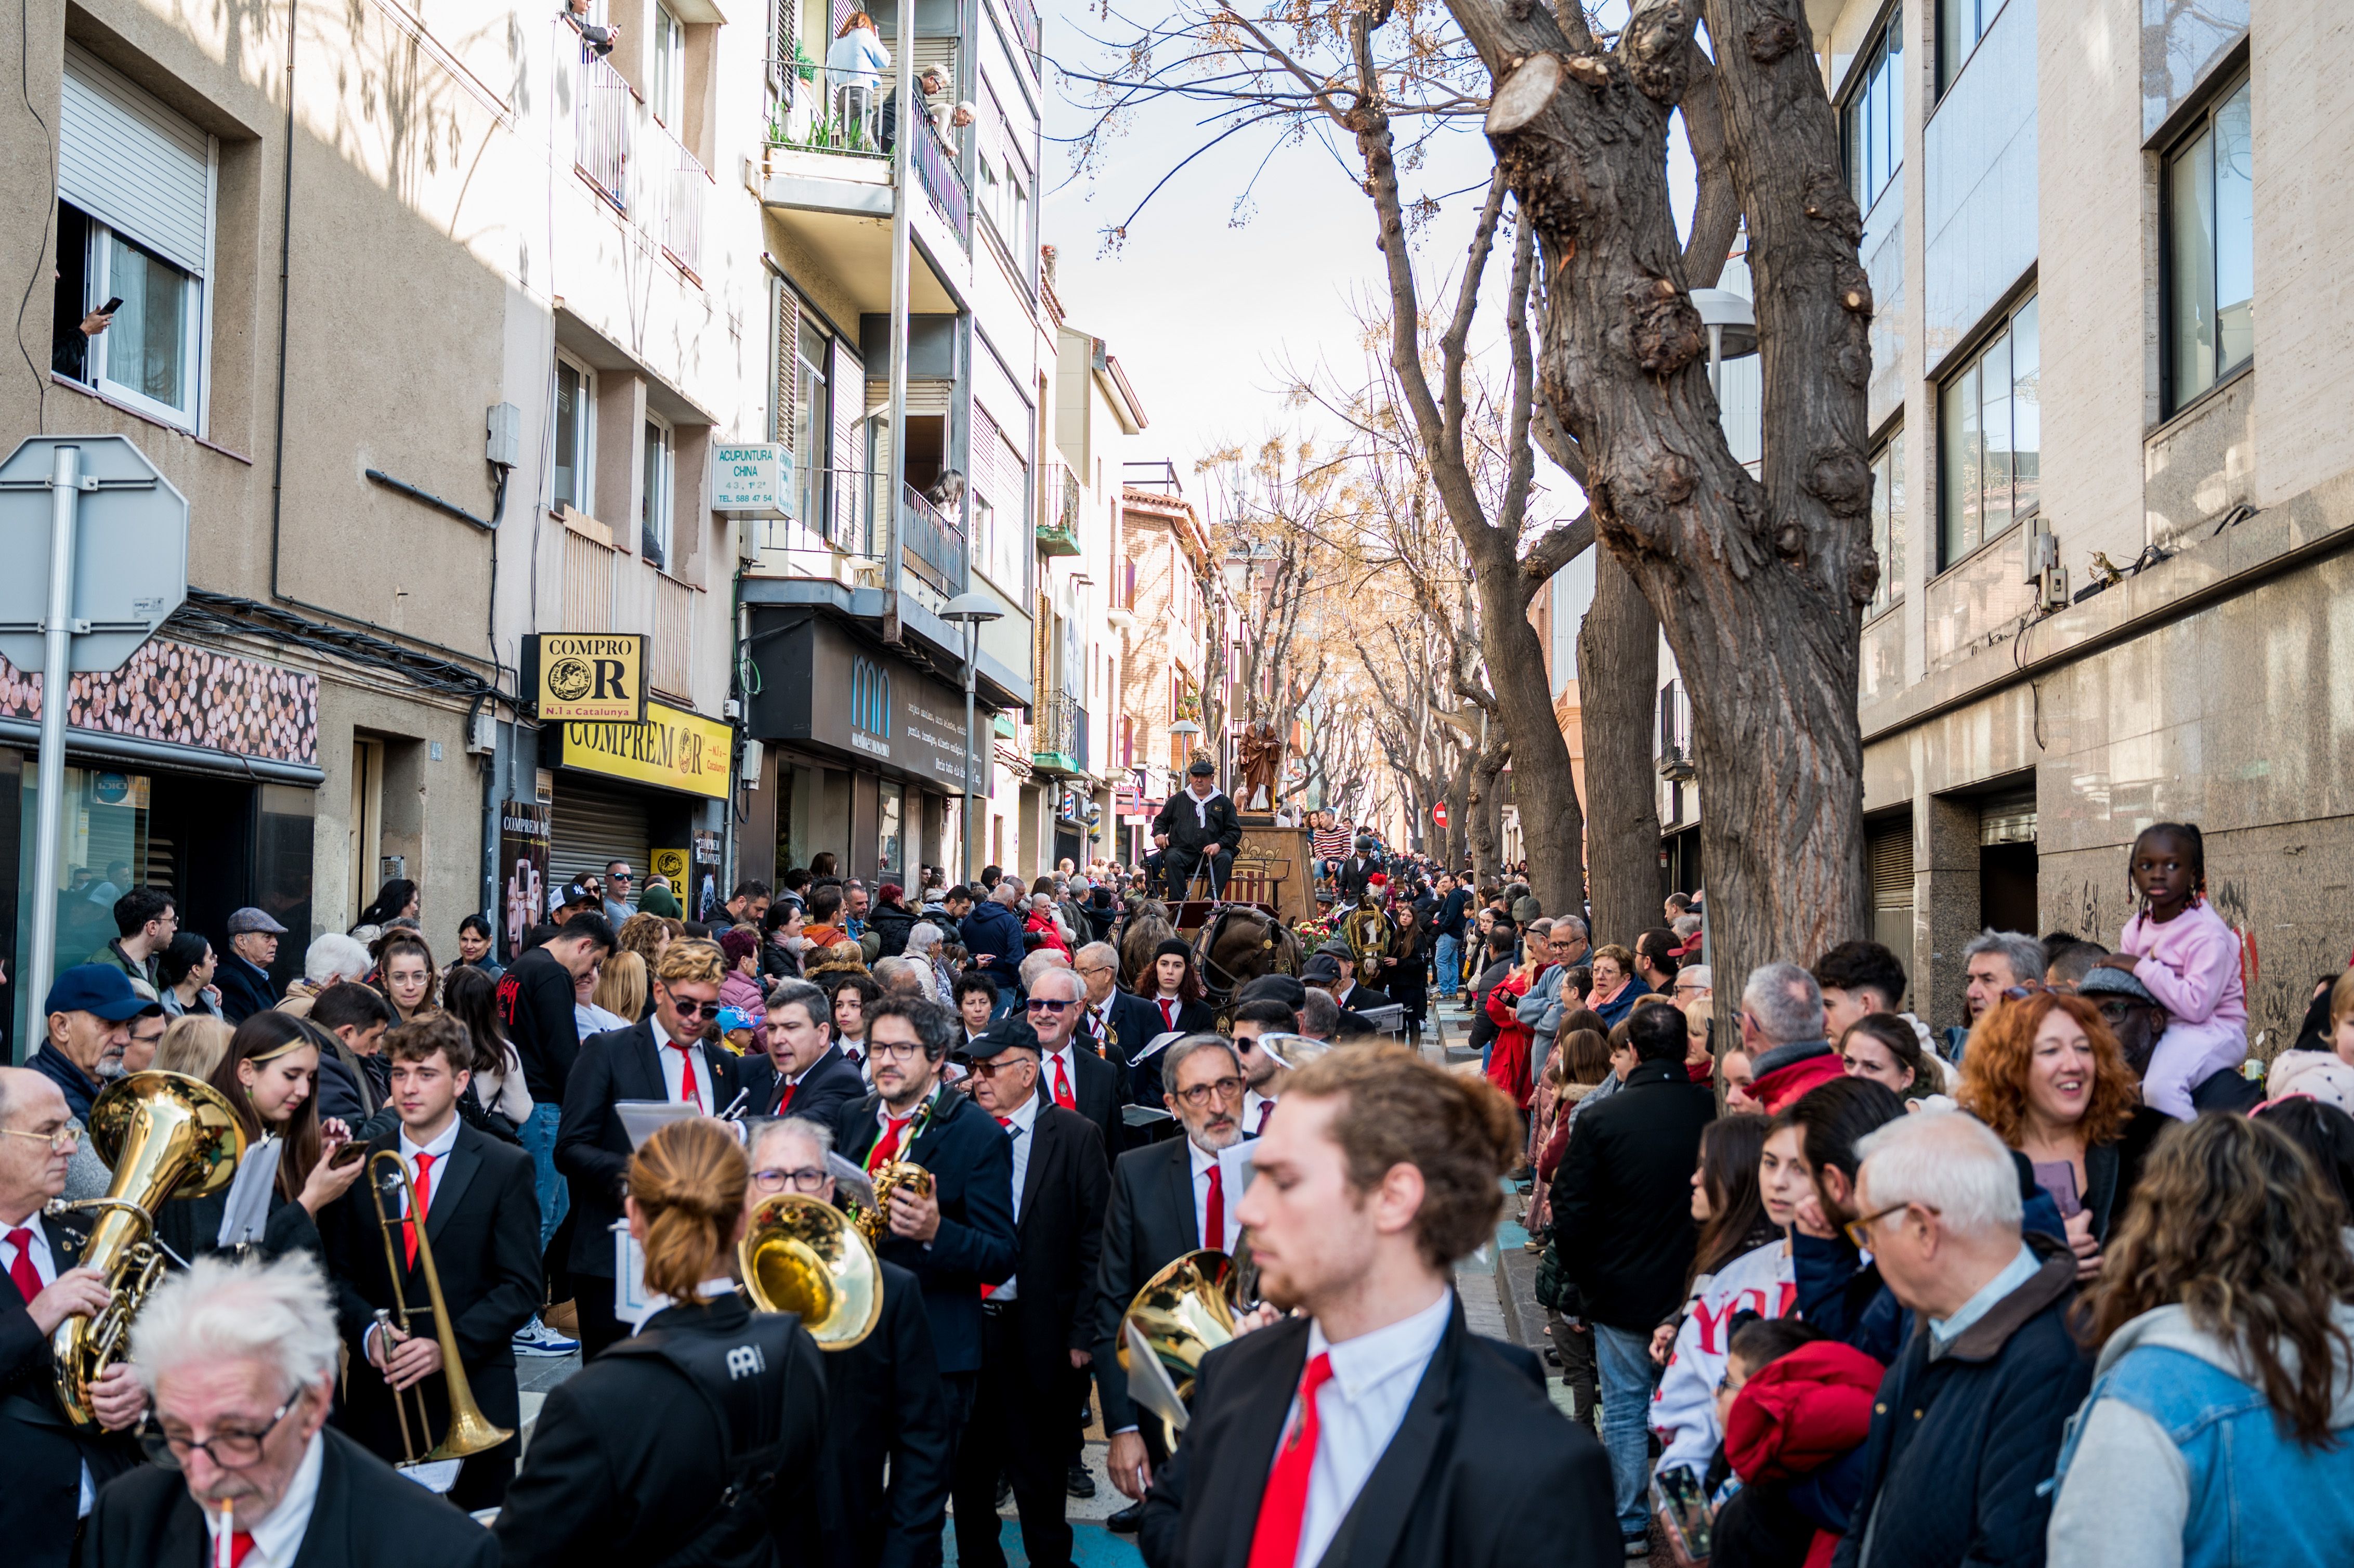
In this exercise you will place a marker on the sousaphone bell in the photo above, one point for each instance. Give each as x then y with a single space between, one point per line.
802 1255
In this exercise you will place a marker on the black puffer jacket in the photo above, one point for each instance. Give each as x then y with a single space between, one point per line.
891 922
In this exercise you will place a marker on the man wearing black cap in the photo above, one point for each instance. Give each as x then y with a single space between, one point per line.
1198 824
244 978
1038 1326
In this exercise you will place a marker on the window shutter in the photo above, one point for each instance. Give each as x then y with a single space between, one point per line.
789 370
1889 855
131 162
924 398
849 531
2009 818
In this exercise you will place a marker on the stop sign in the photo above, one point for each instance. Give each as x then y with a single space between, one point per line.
1439 813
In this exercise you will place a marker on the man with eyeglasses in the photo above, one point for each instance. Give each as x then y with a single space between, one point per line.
666 1055
1118 1024
1035 1338
959 1236
241 1359
800 1072
53 1469
1075 1079
1167 1198
2138 1019
887 1437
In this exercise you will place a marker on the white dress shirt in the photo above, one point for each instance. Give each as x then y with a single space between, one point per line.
1068 1057
1202 1165
443 1142
1251 1101
277 1540
1022 1132
673 1067
1359 1410
45 1264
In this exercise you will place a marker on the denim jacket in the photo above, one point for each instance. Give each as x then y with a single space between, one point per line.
2176 1459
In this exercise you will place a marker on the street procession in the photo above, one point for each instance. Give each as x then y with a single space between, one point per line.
1319 784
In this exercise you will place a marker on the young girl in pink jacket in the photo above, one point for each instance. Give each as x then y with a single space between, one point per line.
2180 948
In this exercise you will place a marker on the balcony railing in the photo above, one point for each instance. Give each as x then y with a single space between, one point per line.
1025 23
934 548
632 160
1058 733
604 112
686 185
935 170
608 590
673 643
588 583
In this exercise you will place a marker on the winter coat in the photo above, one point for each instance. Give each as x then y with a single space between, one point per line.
1049 932
1961 1440
891 923
738 988
1683 1407
1806 1410
1622 1199
990 928
2176 1461
1508 1061
2191 965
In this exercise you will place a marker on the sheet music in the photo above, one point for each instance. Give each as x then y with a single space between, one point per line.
248 1210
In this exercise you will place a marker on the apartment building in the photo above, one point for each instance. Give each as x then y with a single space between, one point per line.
1168 595
2115 486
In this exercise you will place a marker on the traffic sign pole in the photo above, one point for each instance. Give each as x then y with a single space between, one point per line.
56 678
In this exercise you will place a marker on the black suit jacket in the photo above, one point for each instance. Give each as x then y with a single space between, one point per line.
1144 1087
43 1454
592 1147
1096 1089
1454 1489
481 1219
831 1083
1363 998
1149 1225
1134 1022
1065 1188
971 1164
366 1516
886 1405
245 989
1354 874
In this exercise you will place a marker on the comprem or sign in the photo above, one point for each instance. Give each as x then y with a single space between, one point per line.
588 677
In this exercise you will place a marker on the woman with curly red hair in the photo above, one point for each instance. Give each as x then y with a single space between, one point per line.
2046 1075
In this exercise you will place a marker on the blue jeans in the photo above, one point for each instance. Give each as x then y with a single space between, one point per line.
538 1136
1450 966
1627 1375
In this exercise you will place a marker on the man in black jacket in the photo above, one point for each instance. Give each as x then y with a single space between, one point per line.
1376 1428
535 1002
1036 1328
1970 1418
887 1440
1197 824
1622 1218
800 1071
482 1225
959 1236
663 1056
1118 1023
247 986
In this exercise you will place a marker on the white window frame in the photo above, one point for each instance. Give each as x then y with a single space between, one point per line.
584 464
657 483
195 329
668 99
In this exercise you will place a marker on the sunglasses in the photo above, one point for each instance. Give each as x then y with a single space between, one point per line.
1046 1005
688 1007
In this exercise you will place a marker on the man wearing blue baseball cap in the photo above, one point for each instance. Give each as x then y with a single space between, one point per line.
89 1008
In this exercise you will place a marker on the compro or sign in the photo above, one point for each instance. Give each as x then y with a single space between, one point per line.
673 749
590 675
754 480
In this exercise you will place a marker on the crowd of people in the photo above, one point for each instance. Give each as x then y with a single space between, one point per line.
2065 1283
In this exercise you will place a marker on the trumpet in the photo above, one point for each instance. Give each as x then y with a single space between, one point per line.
801 1256
470 1431
164 1136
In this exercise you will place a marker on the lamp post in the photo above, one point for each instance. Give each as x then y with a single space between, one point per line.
969 609
1184 729
1732 324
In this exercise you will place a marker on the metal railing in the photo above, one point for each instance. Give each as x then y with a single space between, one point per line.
935 170
685 184
1059 728
673 643
1025 23
588 583
604 113
934 547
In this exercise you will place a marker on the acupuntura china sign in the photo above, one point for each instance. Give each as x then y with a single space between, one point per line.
672 749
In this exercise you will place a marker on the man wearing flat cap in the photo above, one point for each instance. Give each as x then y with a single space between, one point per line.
244 978
1198 825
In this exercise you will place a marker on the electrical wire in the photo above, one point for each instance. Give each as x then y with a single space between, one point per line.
229 615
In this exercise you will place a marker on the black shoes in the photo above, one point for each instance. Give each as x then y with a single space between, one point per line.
1127 1520
1078 1483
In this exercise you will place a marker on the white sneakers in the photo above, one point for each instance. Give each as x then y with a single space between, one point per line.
537 1339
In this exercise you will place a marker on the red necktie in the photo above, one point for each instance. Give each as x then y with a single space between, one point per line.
1214 1214
886 1146
1168 1013
1266 1109
785 1100
686 1086
26 1277
1062 1097
424 1197
1283 1506
239 1543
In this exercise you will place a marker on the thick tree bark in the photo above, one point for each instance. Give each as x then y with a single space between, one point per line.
1758 585
1617 681
1458 811
1483 813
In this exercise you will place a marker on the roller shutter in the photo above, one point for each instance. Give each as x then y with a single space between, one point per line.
593 825
1888 862
2008 818
132 163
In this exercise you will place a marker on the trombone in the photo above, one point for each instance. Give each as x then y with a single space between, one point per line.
470 1431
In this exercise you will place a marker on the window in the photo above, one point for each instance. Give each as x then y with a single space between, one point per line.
670 69
575 424
1960 24
1888 521
2210 326
1989 433
653 503
1871 123
812 429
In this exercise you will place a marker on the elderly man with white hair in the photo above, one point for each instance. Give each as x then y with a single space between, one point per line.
1970 1418
240 1359
330 959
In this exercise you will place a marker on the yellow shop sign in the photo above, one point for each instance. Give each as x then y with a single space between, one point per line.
672 749
587 675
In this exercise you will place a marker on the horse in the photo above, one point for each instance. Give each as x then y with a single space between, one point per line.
1239 943
1144 927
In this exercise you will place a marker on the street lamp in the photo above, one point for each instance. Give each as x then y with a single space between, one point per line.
1732 324
1186 729
970 608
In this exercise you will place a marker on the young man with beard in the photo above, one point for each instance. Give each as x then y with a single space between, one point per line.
1375 1423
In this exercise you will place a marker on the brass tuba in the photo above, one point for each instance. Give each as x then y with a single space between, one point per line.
801 1256
470 1431
164 1136
1183 1312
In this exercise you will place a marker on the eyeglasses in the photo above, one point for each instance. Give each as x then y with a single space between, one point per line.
688 1007
896 1051
1047 1004
1199 1094
1860 1230
808 1179
992 1067
232 1450
65 1141
2021 993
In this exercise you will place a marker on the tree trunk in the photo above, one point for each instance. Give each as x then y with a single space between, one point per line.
1483 813
1617 682
1759 584
1552 824
1458 811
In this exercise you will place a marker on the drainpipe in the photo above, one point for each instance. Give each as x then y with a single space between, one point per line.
912 123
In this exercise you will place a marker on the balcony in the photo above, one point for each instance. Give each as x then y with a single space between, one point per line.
933 547
1058 511
630 159
936 170
826 180
608 590
1059 736
1026 24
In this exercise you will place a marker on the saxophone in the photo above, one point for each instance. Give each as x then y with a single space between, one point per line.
874 1223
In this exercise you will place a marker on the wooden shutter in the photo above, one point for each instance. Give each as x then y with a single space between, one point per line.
788 369
849 531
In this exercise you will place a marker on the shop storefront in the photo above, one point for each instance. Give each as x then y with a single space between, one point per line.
863 750
187 768
653 794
